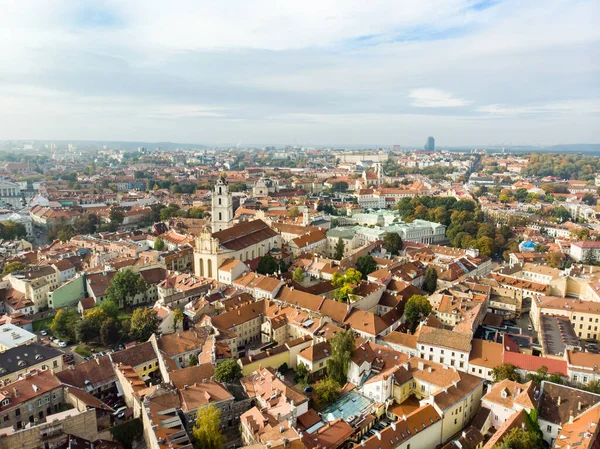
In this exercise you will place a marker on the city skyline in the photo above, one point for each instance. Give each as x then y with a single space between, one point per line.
466 72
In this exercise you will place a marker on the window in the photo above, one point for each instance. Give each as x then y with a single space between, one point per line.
39 402
5 402
549 428
47 398
18 412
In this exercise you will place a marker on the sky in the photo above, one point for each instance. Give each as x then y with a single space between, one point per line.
310 72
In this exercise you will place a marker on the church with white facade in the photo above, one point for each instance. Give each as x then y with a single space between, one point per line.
244 241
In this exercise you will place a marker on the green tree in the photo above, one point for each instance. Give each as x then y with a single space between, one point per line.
430 282
339 249
86 331
589 258
392 242
110 332
195 212
125 284
267 265
159 244
346 283
326 391
144 323
519 438
177 318
298 275
505 371
342 346
12 267
589 199
366 265
116 216
293 212
301 374
417 307
66 233
110 308
206 432
193 360
64 323
228 371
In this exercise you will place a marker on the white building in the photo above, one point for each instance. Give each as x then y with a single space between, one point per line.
580 250
12 336
10 193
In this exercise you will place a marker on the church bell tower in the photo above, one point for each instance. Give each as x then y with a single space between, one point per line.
222 206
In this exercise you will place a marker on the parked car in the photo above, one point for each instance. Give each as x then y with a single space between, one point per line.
62 344
44 332
119 411
529 327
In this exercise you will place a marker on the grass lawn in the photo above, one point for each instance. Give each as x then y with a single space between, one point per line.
42 324
83 351
124 315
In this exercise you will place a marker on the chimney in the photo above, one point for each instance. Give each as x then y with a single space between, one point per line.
393 425
579 406
16 392
558 401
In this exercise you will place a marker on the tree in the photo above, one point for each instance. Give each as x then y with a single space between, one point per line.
267 265
66 233
342 346
346 284
366 265
177 318
326 391
125 284
283 368
116 216
293 212
301 374
553 260
339 249
159 244
392 242
64 323
228 371
417 307
207 429
505 371
144 323
340 186
110 308
12 267
193 360
589 257
519 438
195 212
589 199
430 282
298 275
110 332
85 330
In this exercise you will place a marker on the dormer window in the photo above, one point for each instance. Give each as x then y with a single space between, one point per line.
504 394
5 402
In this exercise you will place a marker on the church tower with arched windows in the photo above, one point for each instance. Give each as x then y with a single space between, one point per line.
222 206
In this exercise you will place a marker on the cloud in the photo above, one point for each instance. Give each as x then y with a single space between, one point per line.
350 70
577 107
435 98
